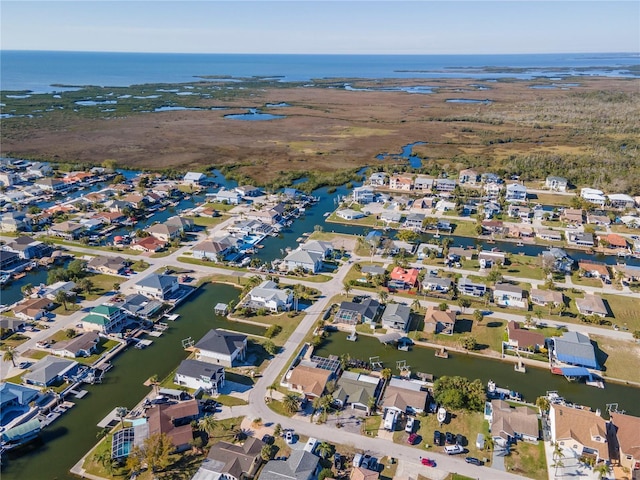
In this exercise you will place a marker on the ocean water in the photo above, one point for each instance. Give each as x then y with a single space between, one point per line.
39 71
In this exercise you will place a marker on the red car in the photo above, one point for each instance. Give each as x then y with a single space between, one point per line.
427 462
412 438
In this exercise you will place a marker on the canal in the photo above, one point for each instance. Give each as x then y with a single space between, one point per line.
534 383
72 435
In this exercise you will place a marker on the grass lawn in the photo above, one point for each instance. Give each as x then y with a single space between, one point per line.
35 354
230 401
624 309
176 270
103 346
208 221
388 468
465 228
528 460
524 266
221 207
371 425
369 221
552 199
620 358
71 308
139 265
489 333
101 284
59 241
164 253
13 341
585 281
278 407
288 324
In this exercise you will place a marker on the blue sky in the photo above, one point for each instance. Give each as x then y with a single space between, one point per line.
342 27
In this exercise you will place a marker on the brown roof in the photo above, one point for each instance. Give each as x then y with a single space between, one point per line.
547 295
616 240
161 419
32 306
237 459
594 267
525 338
433 316
628 433
81 342
582 426
309 379
360 473
591 303
402 398
511 421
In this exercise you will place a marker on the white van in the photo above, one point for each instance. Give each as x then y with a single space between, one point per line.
357 459
311 445
453 449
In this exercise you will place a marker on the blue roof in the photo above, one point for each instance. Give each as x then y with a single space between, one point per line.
575 372
576 349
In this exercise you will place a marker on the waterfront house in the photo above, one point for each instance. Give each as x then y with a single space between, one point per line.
507 295
457 253
194 178
398 182
546 297
621 201
249 191
378 179
627 434
306 260
308 381
423 184
516 193
228 196
83 345
105 319
594 196
491 209
214 249
615 242
9 261
110 217
508 424
15 400
349 214
413 221
521 212
68 230
299 465
557 260
493 227
443 206
183 224
595 270
438 321
50 291
592 305
12 222
157 286
557 184
595 219
467 287
550 235
174 420
574 348
229 461
629 273
7 179
403 279
425 250
445 185
373 238
323 248
33 308
50 184
49 370
396 316
222 348
582 432
196 375
436 284
27 248
404 396
148 244
522 339
108 265
363 195
140 306
488 259
163 232
269 296
134 200
356 390
581 239
468 176
352 313
390 215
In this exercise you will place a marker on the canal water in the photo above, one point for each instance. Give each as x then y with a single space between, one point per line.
531 385
73 434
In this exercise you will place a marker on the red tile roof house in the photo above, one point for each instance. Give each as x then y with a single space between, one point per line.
174 420
627 430
596 270
403 279
522 339
616 242
149 244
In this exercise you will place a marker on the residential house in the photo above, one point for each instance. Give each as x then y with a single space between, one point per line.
582 432
546 297
307 380
363 195
581 239
458 253
50 184
507 295
268 295
183 224
300 465
508 424
7 179
134 200
110 218
352 313
349 214
468 176
404 396
174 420
27 248
594 196
629 273
403 279
522 339
163 232
438 321
148 244
493 227
11 325
488 259
108 265
105 319
423 184
194 178
557 184
140 306
12 222
389 215
117 206
361 473
196 375
467 287
157 286
595 219
323 248
491 209
9 261
68 230
595 270
229 461
574 348
445 185
356 390
83 345
33 308
15 400
592 305
621 201
214 249
222 348
51 291
398 182
228 196
378 179
574 216
397 317
436 284
616 242
306 260
516 193
413 221
249 191
424 203
627 433
520 212
425 250
557 260
373 238
550 235
492 190
49 370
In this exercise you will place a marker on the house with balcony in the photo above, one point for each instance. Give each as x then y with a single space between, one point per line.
363 195
423 184
621 201
468 176
105 319
581 239
557 184
594 196
52 185
214 249
516 193
164 232
402 183
269 296
522 339
507 295
575 349
222 348
438 321
194 178
27 248
306 260
472 289
413 221
492 190
445 185
627 435
378 179
68 230
582 432
230 197
396 316
196 375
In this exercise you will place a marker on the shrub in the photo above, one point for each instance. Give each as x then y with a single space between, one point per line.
272 331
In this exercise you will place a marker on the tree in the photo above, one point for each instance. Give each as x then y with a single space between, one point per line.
291 403
557 451
116 287
464 303
478 316
121 412
10 356
70 333
347 288
602 469
487 297
458 392
157 449
154 382
386 374
443 306
408 236
345 359
371 404
271 388
383 295
85 285
494 276
543 404
636 334
325 449
267 453
277 430
468 342
557 464
134 460
76 268
27 289
270 347
103 457
325 473
208 425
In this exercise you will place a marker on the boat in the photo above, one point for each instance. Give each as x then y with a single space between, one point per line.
19 275
352 337
404 347
442 353
441 415
4 279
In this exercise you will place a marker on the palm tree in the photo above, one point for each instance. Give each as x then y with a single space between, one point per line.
371 404
347 288
10 356
291 403
602 469
386 374
557 464
271 388
27 289
416 305
154 382
557 451
478 315
325 449
121 412
383 295
207 425
62 297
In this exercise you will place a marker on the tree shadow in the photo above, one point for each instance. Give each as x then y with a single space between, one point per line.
494 324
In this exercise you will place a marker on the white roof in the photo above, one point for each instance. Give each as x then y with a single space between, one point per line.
621 197
194 176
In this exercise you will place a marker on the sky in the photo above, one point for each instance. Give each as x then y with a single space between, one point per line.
326 26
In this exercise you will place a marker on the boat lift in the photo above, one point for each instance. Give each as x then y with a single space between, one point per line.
187 343
375 362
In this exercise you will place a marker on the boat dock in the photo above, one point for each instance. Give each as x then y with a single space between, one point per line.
140 344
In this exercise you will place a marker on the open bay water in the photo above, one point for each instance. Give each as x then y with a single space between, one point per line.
38 71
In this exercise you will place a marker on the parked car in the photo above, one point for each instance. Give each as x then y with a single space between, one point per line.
24 365
409 426
357 460
449 438
453 449
288 436
268 439
338 461
412 438
437 438
460 439
473 461
427 462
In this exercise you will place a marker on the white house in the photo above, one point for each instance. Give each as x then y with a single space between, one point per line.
349 214
193 178
508 295
157 286
196 374
268 295
557 184
222 348
621 200
323 248
594 196
363 194
516 193
378 178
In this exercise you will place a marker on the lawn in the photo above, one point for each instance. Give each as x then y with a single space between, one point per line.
207 222
230 401
288 322
624 309
101 285
489 333
103 346
13 341
35 354
371 425
527 459
553 199
524 266
368 221
585 281
621 358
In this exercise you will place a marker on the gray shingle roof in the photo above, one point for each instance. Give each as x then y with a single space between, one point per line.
221 342
299 465
158 281
198 369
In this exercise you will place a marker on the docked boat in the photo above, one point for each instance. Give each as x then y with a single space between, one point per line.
442 353
352 337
